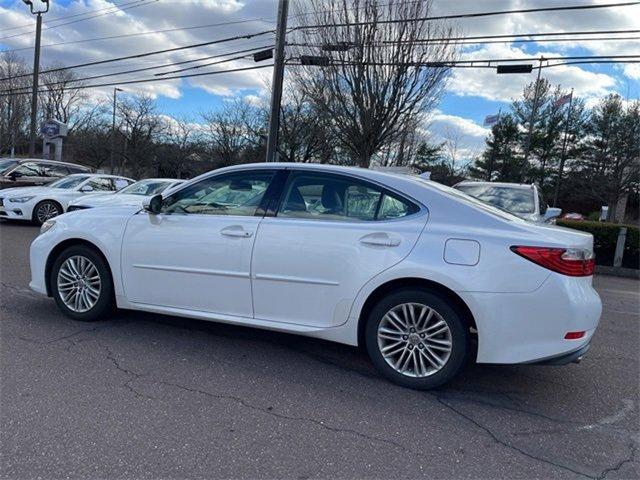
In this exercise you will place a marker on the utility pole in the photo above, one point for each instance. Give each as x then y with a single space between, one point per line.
36 71
276 84
113 130
534 110
564 151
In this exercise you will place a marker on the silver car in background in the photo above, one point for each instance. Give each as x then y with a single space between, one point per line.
521 199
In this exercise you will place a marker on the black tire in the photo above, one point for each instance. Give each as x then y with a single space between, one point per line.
105 304
38 211
458 333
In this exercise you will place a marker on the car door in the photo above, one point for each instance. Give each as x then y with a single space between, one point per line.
332 233
196 254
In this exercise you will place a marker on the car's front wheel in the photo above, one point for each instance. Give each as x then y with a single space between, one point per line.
46 210
416 339
81 284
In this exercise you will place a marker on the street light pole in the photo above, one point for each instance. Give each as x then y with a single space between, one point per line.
113 130
36 71
278 75
564 152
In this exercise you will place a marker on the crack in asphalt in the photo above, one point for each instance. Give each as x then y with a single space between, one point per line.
505 444
632 452
273 413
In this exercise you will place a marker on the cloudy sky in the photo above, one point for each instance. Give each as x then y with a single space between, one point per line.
471 94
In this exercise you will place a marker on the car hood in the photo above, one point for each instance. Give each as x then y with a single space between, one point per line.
109 200
23 191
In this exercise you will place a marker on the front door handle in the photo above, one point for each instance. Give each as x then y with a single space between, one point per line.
235 231
380 239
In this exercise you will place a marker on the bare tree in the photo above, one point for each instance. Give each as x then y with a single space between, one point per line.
382 79
231 131
61 100
14 107
140 127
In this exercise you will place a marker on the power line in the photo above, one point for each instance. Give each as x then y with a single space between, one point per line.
147 54
468 15
154 67
141 3
147 80
151 32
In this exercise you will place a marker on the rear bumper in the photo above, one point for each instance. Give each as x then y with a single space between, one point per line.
565 358
531 327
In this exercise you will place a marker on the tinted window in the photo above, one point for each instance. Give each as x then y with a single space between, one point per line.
516 200
232 194
29 169
119 183
73 169
100 184
52 170
333 197
6 165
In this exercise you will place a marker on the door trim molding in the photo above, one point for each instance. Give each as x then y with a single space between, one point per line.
200 271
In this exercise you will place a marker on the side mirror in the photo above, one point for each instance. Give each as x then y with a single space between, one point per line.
551 213
153 205
14 175
87 188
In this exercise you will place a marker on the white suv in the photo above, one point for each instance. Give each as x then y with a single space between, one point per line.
521 199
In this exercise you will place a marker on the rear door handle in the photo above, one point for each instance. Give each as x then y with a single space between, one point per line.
380 239
235 231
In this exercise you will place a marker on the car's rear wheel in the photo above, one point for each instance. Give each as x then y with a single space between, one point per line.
81 284
416 338
46 210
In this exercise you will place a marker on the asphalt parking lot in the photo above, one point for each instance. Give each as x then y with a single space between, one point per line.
149 396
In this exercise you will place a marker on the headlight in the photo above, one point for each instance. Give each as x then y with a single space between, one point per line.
46 226
21 199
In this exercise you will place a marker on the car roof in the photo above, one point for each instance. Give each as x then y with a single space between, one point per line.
42 160
522 186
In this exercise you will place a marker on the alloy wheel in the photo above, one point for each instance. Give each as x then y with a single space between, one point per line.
46 211
79 284
414 340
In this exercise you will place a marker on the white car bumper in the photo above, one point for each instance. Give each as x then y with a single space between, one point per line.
38 255
16 211
531 327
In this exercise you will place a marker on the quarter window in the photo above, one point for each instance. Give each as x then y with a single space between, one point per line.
333 197
232 194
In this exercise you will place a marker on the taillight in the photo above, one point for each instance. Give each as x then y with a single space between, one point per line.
575 262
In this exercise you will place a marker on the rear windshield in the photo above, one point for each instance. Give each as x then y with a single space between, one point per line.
515 200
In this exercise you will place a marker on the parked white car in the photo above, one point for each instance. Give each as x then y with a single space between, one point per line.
415 271
133 194
38 204
522 199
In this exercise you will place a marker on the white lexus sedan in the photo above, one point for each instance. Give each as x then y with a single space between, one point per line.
420 274
39 204
133 194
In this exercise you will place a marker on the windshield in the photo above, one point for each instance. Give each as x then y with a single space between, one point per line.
515 200
69 182
5 165
146 187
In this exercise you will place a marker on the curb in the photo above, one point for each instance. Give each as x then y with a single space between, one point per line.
618 271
